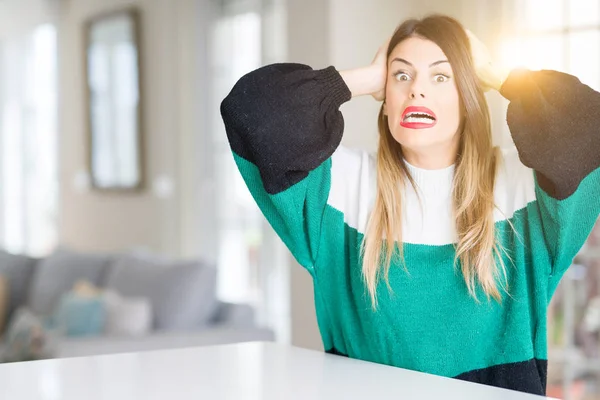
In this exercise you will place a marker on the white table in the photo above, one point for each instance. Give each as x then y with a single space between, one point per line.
241 371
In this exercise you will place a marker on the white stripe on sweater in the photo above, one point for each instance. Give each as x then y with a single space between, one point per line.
429 222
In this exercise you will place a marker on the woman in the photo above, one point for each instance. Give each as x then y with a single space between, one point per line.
405 248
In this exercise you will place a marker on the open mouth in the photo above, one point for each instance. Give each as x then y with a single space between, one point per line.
418 118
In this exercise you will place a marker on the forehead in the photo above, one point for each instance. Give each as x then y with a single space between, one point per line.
418 51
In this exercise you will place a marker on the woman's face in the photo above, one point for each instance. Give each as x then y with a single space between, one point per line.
422 102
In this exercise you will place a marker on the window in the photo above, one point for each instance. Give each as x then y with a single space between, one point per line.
558 34
28 142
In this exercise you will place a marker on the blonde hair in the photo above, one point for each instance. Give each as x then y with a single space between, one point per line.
473 183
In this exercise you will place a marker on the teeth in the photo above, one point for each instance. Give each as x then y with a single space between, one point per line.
422 115
419 120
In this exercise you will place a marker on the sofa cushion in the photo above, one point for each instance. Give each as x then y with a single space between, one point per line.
234 315
57 274
182 294
18 270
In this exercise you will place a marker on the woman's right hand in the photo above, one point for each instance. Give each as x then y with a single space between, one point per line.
369 80
379 66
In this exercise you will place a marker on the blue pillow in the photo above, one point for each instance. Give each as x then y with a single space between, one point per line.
81 315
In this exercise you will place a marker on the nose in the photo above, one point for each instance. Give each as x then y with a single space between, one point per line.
416 89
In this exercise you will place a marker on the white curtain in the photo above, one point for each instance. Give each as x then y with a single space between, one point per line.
28 142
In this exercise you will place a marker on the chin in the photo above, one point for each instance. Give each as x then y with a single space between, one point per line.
417 139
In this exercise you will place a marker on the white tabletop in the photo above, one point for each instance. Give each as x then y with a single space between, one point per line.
231 372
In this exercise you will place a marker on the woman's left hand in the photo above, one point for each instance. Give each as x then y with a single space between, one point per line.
491 75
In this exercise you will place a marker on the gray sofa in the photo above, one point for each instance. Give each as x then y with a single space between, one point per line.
185 308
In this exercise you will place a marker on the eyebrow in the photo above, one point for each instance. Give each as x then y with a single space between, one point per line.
402 60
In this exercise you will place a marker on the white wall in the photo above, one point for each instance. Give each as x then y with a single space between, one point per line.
111 222
21 16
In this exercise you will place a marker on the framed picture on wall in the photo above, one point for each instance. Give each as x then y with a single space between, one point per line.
114 101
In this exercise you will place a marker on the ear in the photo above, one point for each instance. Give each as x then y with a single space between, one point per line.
385 108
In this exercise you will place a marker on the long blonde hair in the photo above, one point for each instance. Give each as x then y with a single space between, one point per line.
474 176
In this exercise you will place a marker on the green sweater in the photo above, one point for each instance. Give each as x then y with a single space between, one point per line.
284 126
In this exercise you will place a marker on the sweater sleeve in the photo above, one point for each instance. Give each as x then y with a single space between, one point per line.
554 120
283 124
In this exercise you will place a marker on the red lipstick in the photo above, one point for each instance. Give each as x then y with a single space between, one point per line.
415 117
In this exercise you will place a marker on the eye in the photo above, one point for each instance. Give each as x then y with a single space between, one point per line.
441 78
402 76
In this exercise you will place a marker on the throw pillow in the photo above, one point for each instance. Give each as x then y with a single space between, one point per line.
86 289
127 316
79 315
27 339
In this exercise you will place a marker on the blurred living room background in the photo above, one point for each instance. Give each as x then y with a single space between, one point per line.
124 224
